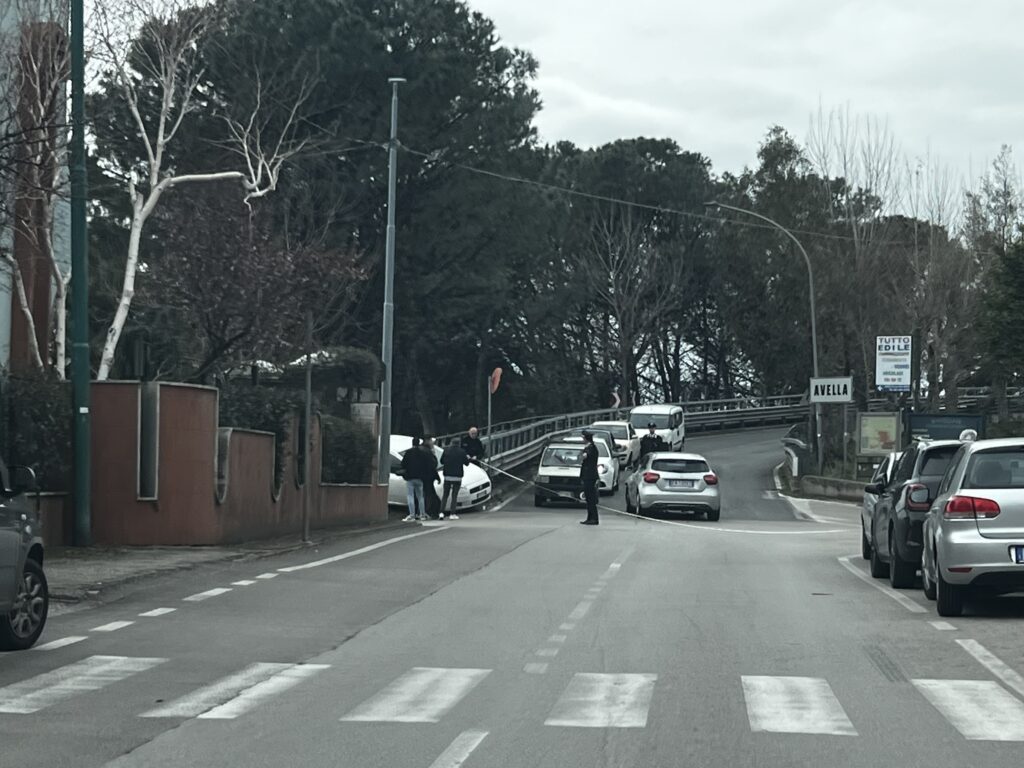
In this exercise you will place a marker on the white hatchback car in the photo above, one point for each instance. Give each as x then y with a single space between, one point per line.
476 485
627 440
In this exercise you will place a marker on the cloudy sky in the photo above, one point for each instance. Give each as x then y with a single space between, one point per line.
947 75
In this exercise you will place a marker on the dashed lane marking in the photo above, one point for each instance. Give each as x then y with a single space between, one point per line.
943 626
200 596
357 552
63 642
536 668
458 751
243 583
113 626
157 612
1009 677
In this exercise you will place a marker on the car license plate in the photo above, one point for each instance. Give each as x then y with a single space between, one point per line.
1018 554
680 483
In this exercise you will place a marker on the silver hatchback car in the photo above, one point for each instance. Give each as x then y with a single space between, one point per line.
674 482
974 532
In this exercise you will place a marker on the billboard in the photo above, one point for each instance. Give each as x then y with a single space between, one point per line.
893 363
878 434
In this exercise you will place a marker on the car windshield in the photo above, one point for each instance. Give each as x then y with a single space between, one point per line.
682 466
642 420
619 431
562 457
996 469
936 461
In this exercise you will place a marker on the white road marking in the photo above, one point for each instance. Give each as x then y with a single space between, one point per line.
200 596
158 612
794 705
357 552
536 668
604 701
112 626
558 638
580 610
802 508
255 695
776 476
718 529
422 695
64 642
1010 678
216 693
90 674
510 499
244 583
567 627
981 710
943 626
547 653
460 750
267 576
906 602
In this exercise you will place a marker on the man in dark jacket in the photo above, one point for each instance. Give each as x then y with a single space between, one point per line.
473 445
454 461
589 478
415 469
651 442
429 493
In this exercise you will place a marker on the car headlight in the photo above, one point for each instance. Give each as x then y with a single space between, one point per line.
543 479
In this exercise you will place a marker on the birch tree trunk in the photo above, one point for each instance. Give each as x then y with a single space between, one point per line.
19 287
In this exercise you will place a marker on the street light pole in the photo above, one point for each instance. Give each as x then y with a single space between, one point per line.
814 313
387 340
81 369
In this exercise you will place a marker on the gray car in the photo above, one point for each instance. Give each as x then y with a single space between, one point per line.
24 595
674 482
974 532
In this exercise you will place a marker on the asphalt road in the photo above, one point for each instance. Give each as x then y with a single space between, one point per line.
519 638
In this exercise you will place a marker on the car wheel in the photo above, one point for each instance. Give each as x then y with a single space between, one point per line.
865 545
630 509
927 583
901 573
23 625
538 500
643 511
879 569
713 516
949 598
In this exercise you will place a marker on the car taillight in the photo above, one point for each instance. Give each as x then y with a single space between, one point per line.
711 479
651 477
917 497
970 508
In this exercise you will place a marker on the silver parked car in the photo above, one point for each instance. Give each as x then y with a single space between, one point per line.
974 532
674 482
24 595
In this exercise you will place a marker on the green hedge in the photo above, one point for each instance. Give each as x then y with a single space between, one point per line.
37 427
267 409
348 450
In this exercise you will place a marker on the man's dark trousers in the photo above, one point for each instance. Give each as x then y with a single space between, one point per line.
590 495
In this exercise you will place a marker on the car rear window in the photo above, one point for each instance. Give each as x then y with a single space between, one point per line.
619 431
562 457
996 469
936 461
682 466
642 420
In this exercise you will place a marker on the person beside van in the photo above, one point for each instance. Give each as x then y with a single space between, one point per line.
651 442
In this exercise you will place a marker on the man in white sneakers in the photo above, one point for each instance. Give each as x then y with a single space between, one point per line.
453 464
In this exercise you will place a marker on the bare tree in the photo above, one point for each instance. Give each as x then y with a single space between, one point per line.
155 47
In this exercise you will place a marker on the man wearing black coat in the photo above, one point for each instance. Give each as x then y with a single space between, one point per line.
651 442
589 478
473 445
453 464
429 493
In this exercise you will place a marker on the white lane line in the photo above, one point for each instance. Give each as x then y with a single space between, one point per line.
90 674
558 639
943 626
255 695
509 500
776 476
794 705
267 576
1010 678
200 596
244 583
718 529
357 552
112 626
458 751
157 612
580 610
902 599
217 693
536 668
422 695
547 653
981 710
63 642
567 626
604 701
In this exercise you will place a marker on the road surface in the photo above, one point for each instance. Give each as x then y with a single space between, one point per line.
520 638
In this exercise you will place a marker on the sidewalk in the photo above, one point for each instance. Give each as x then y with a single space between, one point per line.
77 574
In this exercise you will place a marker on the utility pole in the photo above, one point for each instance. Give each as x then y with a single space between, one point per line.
308 422
387 340
81 368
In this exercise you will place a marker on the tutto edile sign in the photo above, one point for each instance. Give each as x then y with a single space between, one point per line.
893 363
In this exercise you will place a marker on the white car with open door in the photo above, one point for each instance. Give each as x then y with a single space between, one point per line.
476 485
608 472
627 440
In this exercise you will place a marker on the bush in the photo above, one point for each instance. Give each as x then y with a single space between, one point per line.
348 451
267 409
36 425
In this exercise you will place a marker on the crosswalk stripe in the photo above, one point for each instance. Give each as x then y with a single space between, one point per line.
90 674
266 689
604 701
981 710
63 642
794 705
422 695
217 693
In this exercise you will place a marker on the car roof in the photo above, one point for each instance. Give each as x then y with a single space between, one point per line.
563 444
610 424
929 444
674 455
995 444
659 408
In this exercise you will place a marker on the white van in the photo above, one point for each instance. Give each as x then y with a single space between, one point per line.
669 421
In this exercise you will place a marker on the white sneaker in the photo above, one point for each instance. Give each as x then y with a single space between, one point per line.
408 519
453 517
441 516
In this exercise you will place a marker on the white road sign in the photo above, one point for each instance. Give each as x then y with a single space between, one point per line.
832 390
893 363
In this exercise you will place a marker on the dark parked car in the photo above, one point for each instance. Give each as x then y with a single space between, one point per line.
895 534
24 595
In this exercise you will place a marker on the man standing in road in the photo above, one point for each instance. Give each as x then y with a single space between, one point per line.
414 470
589 479
429 493
453 464
473 445
651 442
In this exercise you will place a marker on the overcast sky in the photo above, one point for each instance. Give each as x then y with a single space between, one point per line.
947 75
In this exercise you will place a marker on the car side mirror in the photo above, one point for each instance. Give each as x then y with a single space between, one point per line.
23 480
875 488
